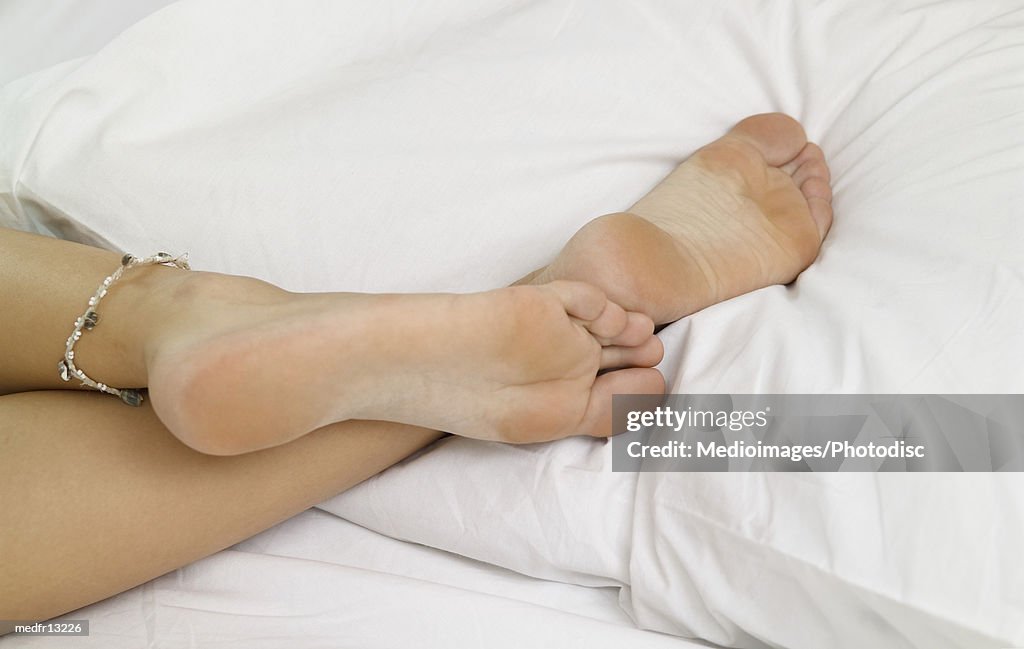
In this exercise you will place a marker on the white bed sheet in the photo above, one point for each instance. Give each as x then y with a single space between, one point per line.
538 116
319 581
37 35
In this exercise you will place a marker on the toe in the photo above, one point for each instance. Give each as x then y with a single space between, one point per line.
639 327
810 153
610 325
816 188
811 174
778 137
813 168
583 301
606 320
597 421
821 212
647 354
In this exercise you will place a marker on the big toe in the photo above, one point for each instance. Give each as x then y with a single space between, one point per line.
778 137
597 421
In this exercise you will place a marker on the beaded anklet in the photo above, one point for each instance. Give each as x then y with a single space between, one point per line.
91 318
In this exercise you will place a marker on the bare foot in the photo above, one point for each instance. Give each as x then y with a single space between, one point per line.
748 210
244 365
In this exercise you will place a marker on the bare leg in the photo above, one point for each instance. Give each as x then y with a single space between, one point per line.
97 497
235 364
44 285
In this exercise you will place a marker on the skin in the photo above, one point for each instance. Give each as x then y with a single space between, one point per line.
98 497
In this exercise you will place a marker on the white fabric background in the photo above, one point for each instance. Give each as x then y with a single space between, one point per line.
37 35
455 146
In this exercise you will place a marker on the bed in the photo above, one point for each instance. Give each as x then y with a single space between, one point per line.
454 146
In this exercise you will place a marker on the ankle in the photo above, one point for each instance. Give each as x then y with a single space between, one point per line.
113 351
175 304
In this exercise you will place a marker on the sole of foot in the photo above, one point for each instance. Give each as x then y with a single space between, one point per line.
748 210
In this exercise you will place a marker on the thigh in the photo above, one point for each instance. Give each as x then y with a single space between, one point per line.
97 497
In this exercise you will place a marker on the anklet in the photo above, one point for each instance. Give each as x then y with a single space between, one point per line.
91 318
